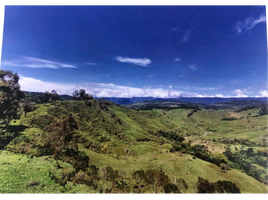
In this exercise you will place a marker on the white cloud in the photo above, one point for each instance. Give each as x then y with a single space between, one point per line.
219 95
193 67
144 62
177 59
248 23
186 35
241 93
35 63
238 91
112 90
263 93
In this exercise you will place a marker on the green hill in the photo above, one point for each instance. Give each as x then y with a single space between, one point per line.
96 146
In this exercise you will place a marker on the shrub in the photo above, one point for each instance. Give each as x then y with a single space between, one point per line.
204 186
170 187
226 187
224 166
218 158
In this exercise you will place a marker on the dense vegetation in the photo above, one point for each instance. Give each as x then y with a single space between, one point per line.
87 145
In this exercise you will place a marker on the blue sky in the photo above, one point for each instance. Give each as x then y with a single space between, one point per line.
126 51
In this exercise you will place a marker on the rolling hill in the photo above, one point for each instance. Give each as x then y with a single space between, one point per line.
96 146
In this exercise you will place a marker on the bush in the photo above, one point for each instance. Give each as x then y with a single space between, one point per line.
224 166
204 186
170 187
226 187
218 158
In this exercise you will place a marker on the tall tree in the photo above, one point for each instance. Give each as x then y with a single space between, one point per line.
81 95
54 95
46 97
10 95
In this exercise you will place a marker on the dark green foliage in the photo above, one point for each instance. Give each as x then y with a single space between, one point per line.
46 97
41 121
171 188
161 104
226 187
229 119
54 95
11 133
156 178
20 139
263 110
10 95
250 107
173 136
204 186
81 95
192 112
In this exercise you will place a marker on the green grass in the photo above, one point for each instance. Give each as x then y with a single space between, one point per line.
127 154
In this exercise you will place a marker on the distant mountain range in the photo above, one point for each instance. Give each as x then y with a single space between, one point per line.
205 101
194 100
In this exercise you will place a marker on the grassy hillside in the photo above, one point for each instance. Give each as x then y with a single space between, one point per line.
96 146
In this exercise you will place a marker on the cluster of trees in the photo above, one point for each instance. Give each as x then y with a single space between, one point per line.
157 179
191 113
81 95
173 136
263 110
10 96
250 107
204 186
166 107
252 162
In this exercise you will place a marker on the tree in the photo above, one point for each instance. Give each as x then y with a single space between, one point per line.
170 187
46 97
10 95
76 95
204 186
54 95
81 95
226 187
27 106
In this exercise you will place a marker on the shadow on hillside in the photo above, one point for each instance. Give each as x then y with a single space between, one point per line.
7 135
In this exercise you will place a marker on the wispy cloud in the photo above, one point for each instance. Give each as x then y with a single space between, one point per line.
151 75
248 23
193 66
177 59
199 88
144 62
239 91
35 63
90 63
186 35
